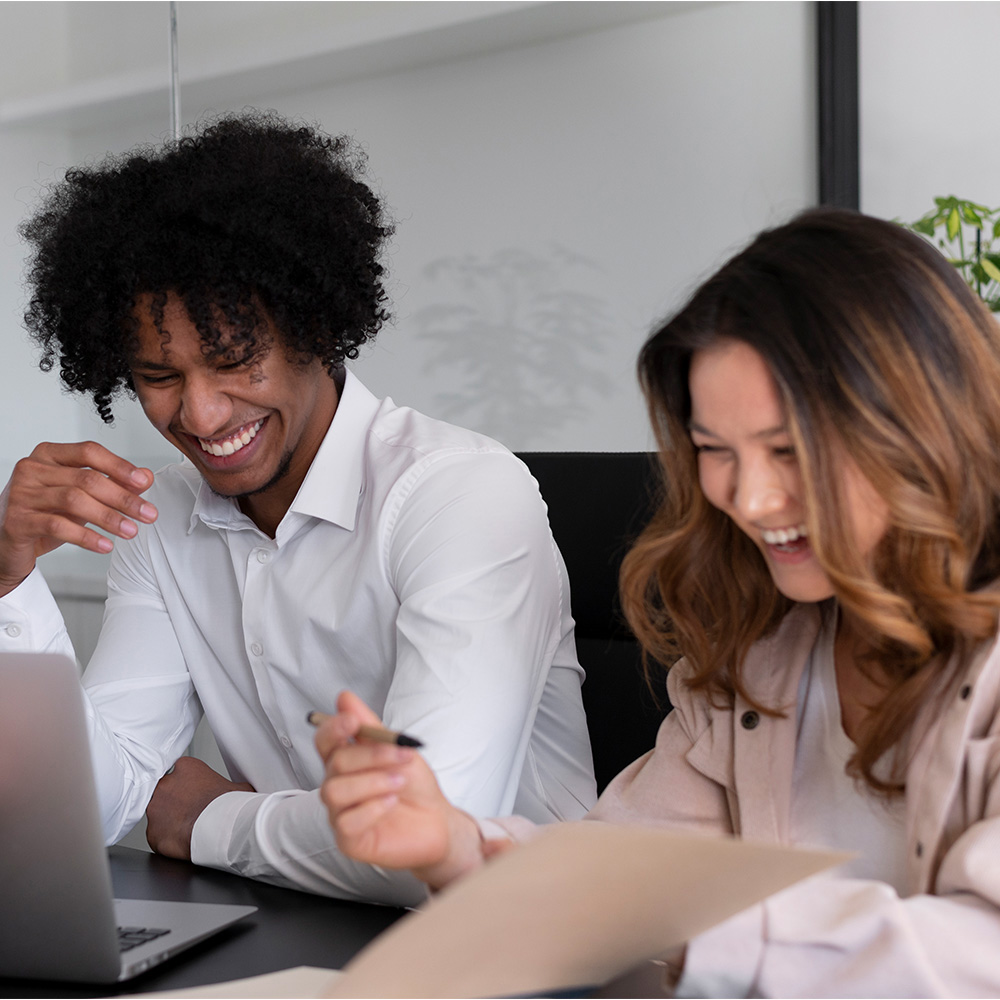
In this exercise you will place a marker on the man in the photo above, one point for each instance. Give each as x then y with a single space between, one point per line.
313 539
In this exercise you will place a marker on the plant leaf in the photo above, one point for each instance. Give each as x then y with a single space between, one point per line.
954 223
990 268
971 215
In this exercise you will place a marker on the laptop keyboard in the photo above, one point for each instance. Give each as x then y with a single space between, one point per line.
130 937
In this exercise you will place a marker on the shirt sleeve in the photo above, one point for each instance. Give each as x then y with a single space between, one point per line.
472 560
284 838
140 705
30 620
468 552
142 708
830 937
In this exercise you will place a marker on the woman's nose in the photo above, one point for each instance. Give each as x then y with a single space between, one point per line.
760 492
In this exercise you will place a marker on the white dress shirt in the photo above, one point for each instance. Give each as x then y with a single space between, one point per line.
415 567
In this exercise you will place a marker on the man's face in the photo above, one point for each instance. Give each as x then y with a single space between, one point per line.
251 427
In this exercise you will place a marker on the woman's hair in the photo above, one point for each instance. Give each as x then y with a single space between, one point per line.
252 219
879 351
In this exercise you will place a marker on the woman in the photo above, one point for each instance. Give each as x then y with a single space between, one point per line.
825 559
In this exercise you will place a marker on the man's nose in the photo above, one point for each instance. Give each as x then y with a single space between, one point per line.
204 410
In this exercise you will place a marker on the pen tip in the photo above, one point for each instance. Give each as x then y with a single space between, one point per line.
408 741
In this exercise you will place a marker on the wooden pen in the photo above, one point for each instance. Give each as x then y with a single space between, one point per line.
376 733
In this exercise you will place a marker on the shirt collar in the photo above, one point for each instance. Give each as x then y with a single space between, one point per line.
334 481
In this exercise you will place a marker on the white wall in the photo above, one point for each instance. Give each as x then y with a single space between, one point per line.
556 199
553 198
927 121
562 174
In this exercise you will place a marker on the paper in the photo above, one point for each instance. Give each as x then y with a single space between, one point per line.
578 905
302 981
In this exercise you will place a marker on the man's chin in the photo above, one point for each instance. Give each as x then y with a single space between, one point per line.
245 490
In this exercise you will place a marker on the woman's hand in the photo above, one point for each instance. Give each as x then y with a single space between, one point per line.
385 804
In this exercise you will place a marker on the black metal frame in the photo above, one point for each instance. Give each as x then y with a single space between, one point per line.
837 66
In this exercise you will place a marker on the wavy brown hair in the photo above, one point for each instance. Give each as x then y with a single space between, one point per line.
878 350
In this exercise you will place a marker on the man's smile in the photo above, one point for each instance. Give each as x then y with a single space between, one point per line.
241 437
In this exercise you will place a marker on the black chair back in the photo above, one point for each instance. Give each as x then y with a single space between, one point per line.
598 503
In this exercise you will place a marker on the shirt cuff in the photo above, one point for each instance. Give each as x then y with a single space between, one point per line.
213 829
30 618
723 962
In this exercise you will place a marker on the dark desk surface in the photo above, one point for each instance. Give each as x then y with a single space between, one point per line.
289 928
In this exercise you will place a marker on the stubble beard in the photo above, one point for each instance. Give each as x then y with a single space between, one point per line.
283 466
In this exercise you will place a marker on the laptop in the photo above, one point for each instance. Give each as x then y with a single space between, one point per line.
57 914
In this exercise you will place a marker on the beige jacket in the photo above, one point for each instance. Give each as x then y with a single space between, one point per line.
730 771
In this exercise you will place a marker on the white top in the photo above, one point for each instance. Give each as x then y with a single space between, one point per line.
829 808
415 567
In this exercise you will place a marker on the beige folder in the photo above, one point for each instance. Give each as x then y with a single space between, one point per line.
580 904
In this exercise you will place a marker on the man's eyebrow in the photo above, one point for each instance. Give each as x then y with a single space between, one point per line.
158 366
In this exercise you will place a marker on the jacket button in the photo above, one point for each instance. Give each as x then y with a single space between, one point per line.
965 692
749 720
920 850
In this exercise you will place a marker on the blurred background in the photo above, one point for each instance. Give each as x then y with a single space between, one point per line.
562 174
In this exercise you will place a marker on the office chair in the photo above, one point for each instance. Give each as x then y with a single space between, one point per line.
598 502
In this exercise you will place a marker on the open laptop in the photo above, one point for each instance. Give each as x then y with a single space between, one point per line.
57 916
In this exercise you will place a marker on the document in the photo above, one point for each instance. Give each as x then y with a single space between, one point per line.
580 904
303 982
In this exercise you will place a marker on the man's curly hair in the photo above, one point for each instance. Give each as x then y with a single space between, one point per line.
251 219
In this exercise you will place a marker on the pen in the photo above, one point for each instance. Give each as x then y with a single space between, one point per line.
376 733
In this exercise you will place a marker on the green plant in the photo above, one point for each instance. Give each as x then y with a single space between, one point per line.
968 233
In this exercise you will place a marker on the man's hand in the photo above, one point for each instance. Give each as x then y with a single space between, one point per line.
179 799
55 493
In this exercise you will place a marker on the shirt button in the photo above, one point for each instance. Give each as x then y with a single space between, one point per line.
256 648
749 720
263 555
920 850
13 630
286 742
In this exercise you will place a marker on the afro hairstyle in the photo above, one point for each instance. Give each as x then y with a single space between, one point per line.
250 221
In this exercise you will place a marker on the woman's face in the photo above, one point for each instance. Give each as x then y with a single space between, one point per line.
747 468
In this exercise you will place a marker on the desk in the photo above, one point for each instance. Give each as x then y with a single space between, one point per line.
289 928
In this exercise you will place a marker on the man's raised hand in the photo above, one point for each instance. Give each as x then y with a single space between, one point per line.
56 492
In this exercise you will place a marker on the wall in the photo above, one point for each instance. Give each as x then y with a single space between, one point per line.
552 200
926 80
561 174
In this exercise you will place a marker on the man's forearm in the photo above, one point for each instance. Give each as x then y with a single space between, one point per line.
284 838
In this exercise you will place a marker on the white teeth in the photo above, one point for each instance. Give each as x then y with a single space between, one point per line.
233 444
781 536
